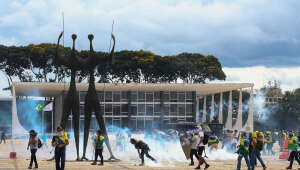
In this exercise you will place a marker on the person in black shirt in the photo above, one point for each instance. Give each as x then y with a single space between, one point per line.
143 149
3 137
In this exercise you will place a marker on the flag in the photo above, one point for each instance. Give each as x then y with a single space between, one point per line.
48 107
39 107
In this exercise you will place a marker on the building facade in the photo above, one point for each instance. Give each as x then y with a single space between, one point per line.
142 106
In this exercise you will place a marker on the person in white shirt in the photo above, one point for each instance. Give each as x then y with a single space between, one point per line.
194 141
201 148
33 144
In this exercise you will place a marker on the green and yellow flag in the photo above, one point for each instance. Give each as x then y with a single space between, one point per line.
39 107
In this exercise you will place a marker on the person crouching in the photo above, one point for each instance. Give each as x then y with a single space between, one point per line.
99 140
143 149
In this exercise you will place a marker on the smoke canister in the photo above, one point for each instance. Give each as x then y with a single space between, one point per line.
12 155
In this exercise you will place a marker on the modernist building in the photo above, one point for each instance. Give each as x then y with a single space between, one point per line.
140 106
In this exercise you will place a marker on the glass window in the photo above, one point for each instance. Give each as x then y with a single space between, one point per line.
173 95
134 96
141 108
189 108
133 109
101 96
141 96
116 110
157 96
157 108
108 108
81 109
116 96
124 95
166 96
108 96
82 95
149 97
173 108
140 123
124 108
149 109
181 97
181 109
189 96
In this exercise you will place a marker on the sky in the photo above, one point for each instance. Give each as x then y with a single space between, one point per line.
255 40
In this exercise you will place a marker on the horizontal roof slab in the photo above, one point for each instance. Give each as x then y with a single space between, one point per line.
54 89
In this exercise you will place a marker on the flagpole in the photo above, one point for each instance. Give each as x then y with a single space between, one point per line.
43 122
52 122
63 20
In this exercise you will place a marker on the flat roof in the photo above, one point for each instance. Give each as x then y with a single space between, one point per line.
54 89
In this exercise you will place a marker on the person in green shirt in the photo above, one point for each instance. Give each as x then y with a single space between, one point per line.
243 151
293 147
98 141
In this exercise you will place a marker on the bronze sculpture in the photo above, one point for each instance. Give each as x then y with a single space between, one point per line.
91 99
71 101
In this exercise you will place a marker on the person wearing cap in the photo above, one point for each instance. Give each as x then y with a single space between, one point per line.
293 147
60 141
33 145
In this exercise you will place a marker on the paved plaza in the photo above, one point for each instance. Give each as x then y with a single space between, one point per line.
272 162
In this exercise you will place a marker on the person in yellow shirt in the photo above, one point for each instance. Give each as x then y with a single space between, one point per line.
60 141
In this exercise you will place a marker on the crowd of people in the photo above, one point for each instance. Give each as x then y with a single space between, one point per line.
249 146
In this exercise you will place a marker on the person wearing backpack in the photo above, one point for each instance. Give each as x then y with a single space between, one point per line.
257 146
201 147
98 141
33 145
243 151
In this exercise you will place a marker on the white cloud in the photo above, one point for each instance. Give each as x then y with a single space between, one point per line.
260 75
235 31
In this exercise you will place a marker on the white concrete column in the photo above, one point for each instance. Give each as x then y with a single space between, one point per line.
204 110
16 128
249 125
221 108
228 124
212 107
197 111
239 121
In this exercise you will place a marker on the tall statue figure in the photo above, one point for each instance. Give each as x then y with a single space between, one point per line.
91 99
71 101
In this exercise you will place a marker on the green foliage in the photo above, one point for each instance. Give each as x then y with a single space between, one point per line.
34 63
287 114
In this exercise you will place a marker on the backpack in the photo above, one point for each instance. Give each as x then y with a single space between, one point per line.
40 144
205 139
